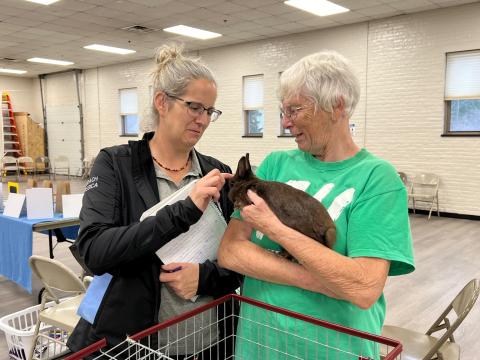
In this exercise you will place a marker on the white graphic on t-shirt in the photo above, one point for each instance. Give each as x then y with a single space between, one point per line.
340 202
299 184
259 234
323 191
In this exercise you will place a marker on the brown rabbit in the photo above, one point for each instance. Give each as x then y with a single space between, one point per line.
295 208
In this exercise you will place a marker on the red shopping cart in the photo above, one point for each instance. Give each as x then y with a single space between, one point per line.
258 331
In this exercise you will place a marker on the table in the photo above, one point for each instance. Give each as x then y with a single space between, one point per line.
16 236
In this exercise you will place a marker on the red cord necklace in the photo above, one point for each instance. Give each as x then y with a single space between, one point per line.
174 170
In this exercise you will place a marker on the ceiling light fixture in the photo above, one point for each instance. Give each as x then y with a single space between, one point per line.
50 61
43 2
109 49
317 7
192 32
12 71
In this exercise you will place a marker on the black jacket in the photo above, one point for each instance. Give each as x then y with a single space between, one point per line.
111 239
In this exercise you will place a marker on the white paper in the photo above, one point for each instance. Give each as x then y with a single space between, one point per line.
72 204
39 203
200 242
180 194
14 205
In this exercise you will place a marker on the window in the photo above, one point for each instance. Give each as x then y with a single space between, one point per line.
129 112
283 132
462 93
253 105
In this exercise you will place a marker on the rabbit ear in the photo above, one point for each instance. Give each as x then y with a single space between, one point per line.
248 168
241 168
244 169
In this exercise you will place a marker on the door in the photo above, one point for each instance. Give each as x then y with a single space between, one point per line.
63 120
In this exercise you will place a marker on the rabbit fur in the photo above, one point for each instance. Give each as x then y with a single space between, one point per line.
294 208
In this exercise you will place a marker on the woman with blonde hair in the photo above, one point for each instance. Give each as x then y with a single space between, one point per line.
128 179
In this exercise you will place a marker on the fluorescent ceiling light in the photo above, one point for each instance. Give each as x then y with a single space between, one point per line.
12 71
192 32
109 49
44 2
50 61
317 7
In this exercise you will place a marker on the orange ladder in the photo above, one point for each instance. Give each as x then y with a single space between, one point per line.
11 139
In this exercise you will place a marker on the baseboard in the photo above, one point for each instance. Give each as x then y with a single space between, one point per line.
447 214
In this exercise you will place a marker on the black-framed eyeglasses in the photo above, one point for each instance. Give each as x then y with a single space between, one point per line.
197 109
290 112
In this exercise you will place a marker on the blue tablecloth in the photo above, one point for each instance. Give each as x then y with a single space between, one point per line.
16 247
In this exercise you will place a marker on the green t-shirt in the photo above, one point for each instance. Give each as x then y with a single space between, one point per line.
368 202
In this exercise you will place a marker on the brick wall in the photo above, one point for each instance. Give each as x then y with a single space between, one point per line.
401 65
24 94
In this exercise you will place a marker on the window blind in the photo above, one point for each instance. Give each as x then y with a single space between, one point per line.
128 101
253 92
462 80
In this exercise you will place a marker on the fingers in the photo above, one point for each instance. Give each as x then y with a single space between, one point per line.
184 282
254 198
172 267
208 188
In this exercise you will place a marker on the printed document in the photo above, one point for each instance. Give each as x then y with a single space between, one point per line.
201 241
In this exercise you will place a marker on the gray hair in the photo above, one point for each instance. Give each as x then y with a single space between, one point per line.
325 77
173 72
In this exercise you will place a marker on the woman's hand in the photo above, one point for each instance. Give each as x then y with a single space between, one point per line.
181 278
260 216
208 188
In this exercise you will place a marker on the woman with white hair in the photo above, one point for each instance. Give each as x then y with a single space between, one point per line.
363 195
128 179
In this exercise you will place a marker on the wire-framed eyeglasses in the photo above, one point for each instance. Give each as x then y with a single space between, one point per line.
197 109
290 112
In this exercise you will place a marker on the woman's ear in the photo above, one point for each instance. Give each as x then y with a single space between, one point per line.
160 102
339 110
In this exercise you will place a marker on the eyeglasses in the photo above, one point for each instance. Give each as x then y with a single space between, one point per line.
290 112
197 109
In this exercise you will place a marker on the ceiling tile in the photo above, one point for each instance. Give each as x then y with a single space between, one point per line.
19 21
73 5
12 11
358 4
228 8
410 4
276 9
256 3
378 10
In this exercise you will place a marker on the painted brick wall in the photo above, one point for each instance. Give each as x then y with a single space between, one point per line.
406 72
400 62
25 95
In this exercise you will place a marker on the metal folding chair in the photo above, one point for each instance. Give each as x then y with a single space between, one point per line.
426 346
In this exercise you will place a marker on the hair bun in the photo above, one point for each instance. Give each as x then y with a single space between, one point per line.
167 53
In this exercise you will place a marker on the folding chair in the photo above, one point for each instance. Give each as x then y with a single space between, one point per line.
60 165
26 165
424 188
403 177
55 323
42 165
425 346
9 163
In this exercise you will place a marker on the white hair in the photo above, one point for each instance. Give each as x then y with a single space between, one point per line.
172 74
325 77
